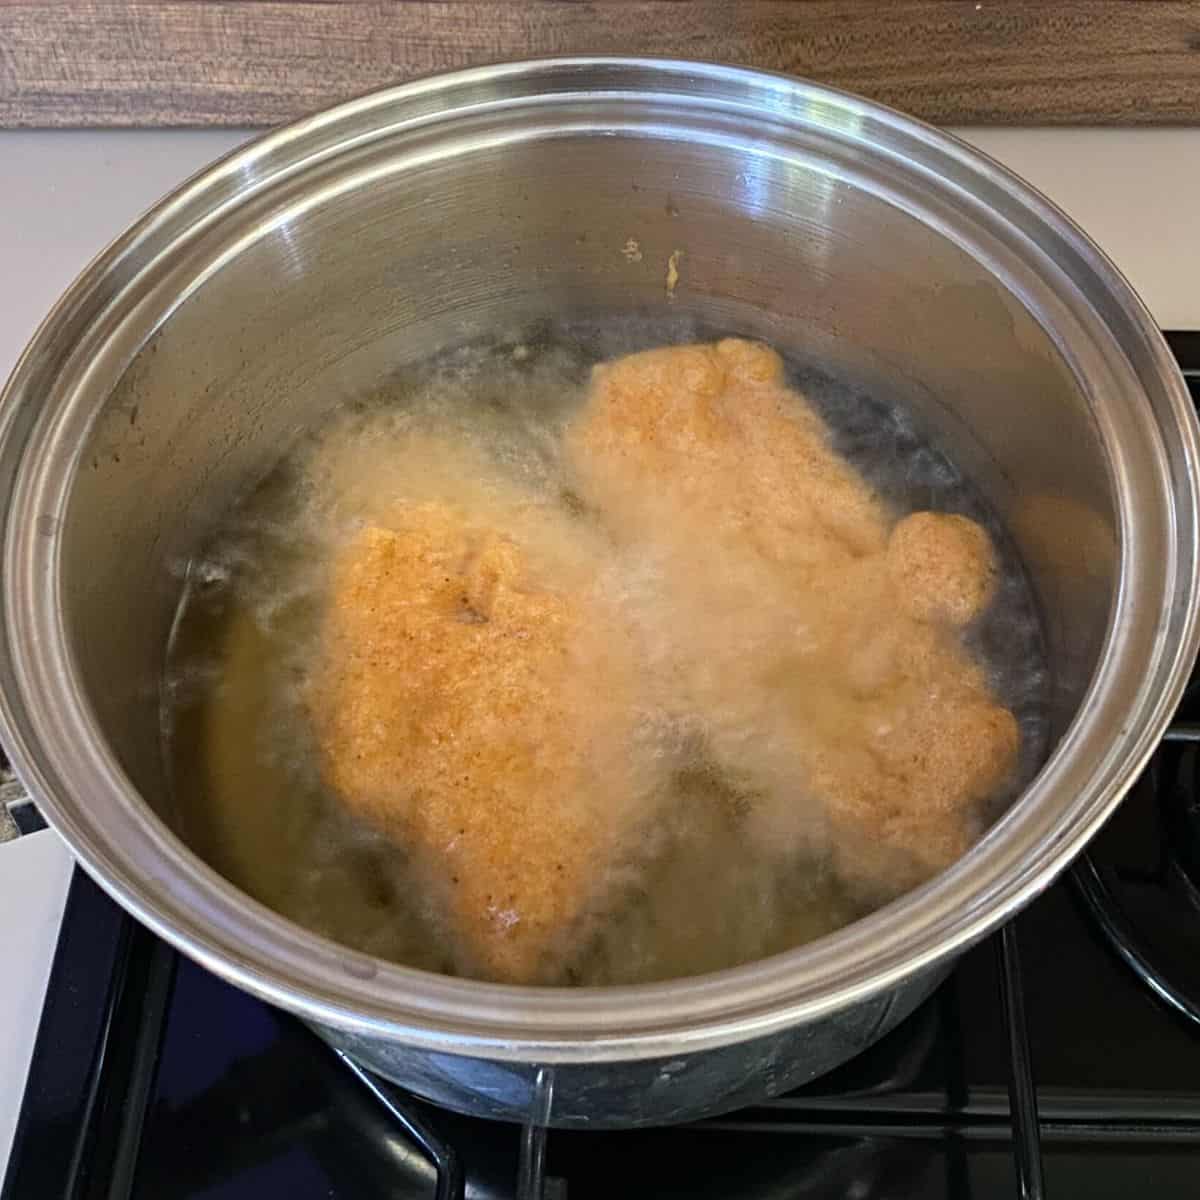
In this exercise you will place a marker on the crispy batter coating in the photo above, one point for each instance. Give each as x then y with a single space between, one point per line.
710 436
817 643
480 695
903 780
942 566
479 716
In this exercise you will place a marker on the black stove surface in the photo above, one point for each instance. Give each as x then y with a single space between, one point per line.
154 1080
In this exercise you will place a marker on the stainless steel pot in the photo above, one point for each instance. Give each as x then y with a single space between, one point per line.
305 266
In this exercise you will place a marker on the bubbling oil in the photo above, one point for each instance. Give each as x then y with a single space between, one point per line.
685 893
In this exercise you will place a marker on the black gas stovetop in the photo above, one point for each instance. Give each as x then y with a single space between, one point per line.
1062 1058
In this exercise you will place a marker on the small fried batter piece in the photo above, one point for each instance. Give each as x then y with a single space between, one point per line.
943 567
482 717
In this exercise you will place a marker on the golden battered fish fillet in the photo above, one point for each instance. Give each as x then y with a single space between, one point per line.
816 643
483 718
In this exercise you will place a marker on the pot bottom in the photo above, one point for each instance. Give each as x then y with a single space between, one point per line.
634 1093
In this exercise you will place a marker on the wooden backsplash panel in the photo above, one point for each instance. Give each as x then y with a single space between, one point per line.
256 62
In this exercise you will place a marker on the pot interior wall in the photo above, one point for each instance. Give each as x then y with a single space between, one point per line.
321 286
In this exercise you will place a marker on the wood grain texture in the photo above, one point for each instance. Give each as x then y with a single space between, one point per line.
255 62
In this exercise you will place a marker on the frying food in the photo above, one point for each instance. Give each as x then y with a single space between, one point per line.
510 686
481 717
942 567
709 437
822 653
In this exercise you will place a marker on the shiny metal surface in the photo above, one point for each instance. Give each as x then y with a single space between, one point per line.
630 1092
306 266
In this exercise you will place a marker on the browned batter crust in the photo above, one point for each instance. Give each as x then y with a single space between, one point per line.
942 567
480 695
466 710
821 642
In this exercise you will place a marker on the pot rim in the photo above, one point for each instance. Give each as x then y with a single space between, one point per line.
182 899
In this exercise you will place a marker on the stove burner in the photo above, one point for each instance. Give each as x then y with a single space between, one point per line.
856 1173
1148 909
442 1155
1182 818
